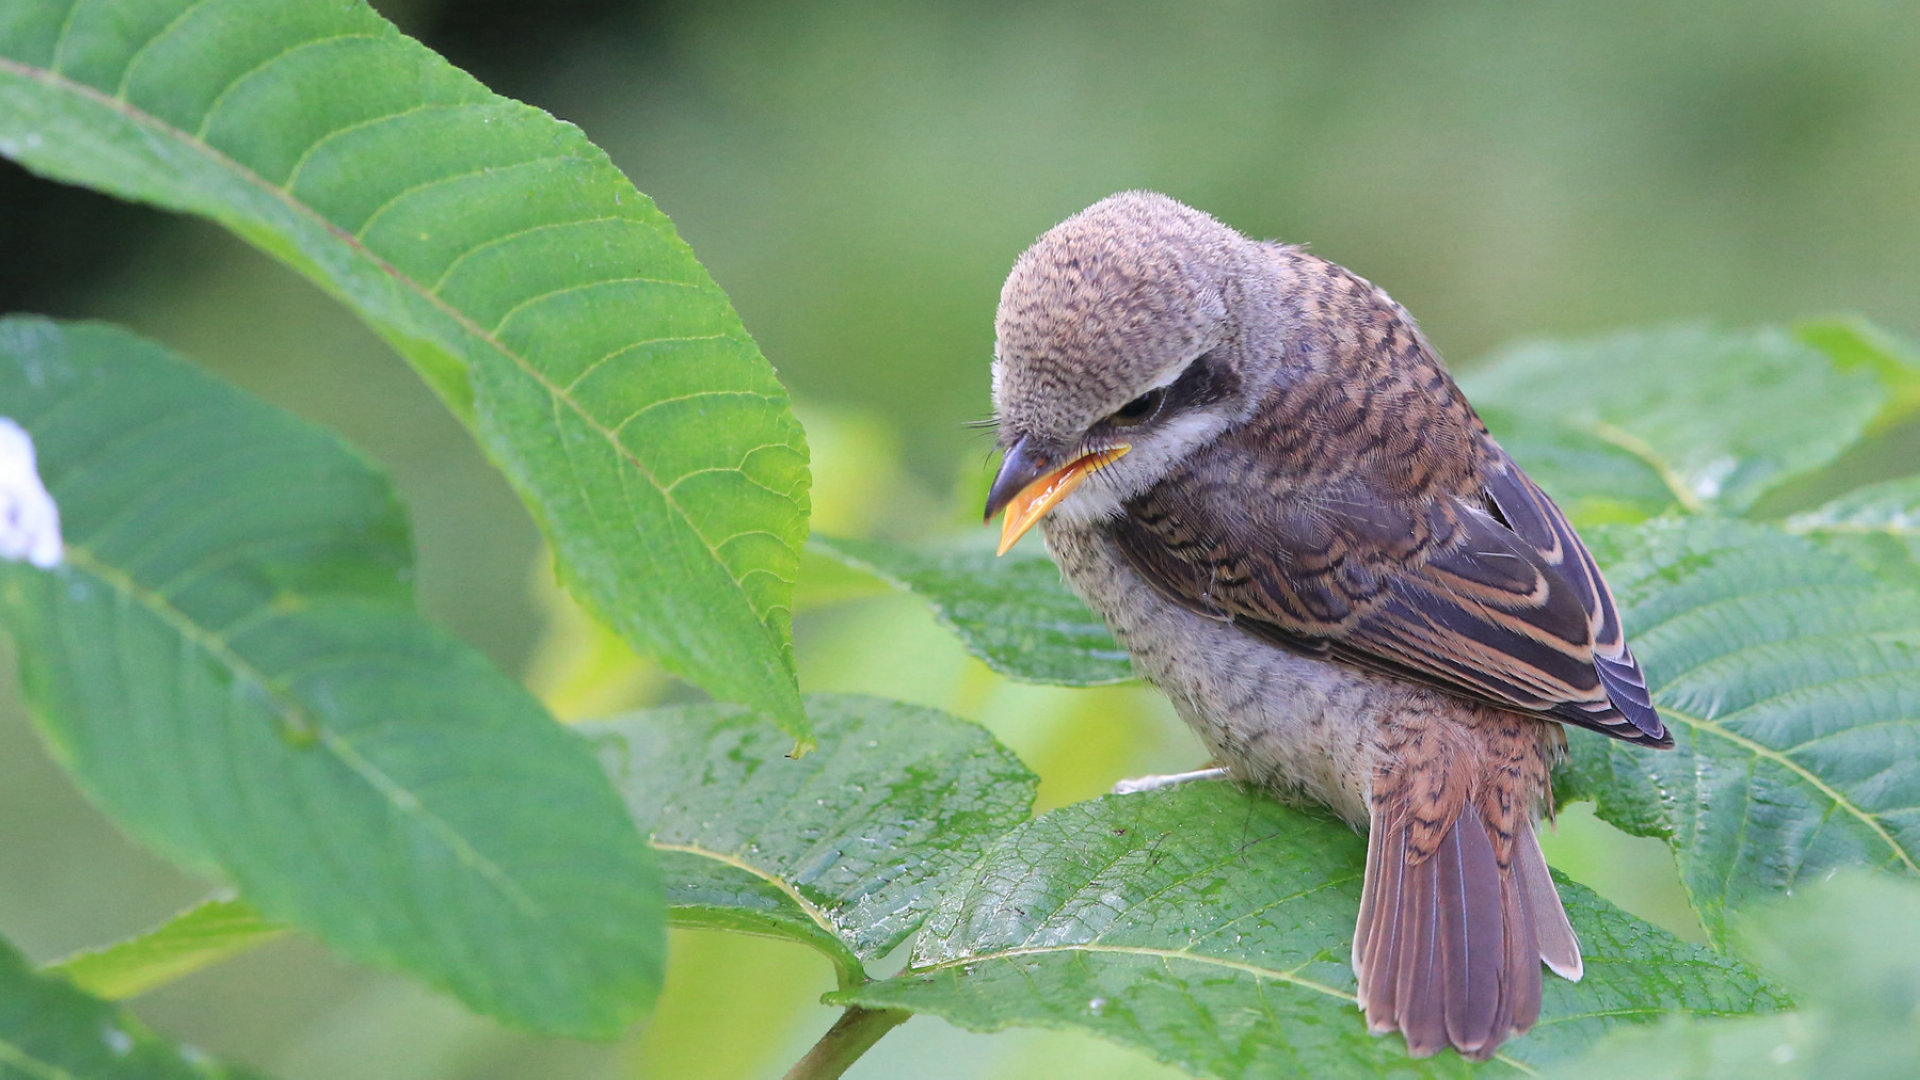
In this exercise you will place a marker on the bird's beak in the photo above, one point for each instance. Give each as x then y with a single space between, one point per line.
1026 488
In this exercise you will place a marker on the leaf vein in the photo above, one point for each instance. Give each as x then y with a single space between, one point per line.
300 718
458 317
1163 955
1683 492
812 910
61 37
583 286
293 177
139 54
1761 750
359 235
1823 592
509 237
219 99
696 395
631 346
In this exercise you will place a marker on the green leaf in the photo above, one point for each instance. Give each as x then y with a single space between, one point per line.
1877 526
1791 680
1694 1048
844 849
551 305
1012 612
1722 416
49 1030
1593 480
197 938
1858 985
1210 927
1857 343
1830 945
229 664
1892 507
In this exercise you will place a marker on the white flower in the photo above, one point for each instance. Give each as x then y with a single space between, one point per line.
29 520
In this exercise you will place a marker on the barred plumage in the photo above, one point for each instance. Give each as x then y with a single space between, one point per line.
1304 534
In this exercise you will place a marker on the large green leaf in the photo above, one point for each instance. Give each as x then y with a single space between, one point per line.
1858 984
845 849
1723 416
1210 927
202 935
1592 479
1012 612
51 1031
1892 507
229 664
1695 1048
1857 343
1791 679
1877 525
550 304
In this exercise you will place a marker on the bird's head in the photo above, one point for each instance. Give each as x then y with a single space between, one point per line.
1117 354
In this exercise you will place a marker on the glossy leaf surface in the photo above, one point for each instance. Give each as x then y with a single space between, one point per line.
1210 927
845 849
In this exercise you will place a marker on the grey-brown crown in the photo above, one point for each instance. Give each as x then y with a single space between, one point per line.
1106 302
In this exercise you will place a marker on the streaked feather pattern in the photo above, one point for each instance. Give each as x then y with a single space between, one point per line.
1494 598
1313 484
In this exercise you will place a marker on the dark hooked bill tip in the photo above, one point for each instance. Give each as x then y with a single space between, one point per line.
1018 470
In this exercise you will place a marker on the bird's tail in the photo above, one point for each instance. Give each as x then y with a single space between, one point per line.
1451 936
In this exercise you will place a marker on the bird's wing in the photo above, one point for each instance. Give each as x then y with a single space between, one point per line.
1496 599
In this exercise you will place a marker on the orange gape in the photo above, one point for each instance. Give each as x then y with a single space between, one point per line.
1034 500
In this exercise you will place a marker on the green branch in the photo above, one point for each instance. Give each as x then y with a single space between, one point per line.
851 1036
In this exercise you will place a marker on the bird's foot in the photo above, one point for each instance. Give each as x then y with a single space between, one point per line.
1137 784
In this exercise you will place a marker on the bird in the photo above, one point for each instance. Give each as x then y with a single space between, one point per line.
1251 464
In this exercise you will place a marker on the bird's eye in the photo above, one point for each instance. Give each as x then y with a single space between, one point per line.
1139 409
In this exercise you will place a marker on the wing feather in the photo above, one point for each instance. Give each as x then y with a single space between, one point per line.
1495 598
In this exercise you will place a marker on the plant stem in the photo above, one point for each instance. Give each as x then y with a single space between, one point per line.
851 1036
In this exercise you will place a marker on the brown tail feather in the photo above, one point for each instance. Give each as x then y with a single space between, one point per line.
1374 942
1558 945
1448 948
1418 987
1473 935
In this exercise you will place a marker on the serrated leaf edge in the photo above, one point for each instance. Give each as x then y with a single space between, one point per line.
285 196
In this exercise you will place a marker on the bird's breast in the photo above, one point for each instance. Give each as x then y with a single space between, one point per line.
1299 726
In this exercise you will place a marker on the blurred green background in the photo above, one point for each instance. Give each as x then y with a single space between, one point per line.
859 176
